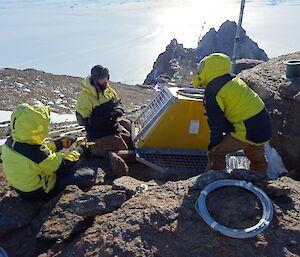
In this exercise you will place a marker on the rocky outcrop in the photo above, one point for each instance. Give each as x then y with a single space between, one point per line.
131 185
174 66
222 41
57 91
99 201
282 97
60 93
161 220
245 64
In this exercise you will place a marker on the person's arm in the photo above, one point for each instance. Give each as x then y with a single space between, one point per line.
84 109
55 146
52 163
118 109
62 142
214 108
58 162
81 121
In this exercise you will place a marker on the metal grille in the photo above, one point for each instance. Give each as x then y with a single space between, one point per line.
151 113
173 161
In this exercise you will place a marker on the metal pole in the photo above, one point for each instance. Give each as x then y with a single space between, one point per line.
237 35
199 39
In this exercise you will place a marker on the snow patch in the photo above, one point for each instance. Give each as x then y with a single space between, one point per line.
275 164
4 125
60 118
58 101
38 103
2 141
5 115
55 117
19 84
63 106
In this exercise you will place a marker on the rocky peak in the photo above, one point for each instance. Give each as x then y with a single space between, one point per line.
175 64
167 65
223 41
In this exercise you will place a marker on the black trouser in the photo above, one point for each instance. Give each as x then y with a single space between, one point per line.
71 174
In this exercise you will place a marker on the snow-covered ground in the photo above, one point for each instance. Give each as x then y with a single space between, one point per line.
2 141
4 116
55 117
59 118
70 36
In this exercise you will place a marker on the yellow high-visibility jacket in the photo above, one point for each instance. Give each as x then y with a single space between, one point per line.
28 162
96 108
232 106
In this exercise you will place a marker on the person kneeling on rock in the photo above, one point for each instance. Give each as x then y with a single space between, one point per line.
235 110
33 167
99 109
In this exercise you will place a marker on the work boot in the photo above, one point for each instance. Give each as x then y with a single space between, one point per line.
118 166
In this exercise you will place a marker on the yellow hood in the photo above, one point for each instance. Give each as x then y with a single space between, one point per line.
86 86
211 67
91 90
30 125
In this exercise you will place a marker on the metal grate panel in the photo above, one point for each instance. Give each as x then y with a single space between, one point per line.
151 113
173 161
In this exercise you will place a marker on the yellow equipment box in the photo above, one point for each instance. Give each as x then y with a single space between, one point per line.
174 119
171 134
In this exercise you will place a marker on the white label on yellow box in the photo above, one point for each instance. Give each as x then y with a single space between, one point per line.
194 127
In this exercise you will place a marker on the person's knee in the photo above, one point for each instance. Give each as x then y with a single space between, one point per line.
216 161
259 165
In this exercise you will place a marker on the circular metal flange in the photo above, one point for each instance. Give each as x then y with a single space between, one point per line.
234 232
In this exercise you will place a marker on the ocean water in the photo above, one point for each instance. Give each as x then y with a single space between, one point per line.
70 36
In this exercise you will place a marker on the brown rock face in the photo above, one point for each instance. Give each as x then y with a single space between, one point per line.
160 221
163 222
245 64
281 98
172 65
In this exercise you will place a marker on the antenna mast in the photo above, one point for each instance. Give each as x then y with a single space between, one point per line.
202 28
237 35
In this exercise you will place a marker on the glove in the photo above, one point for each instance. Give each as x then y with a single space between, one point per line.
68 140
85 152
117 113
73 156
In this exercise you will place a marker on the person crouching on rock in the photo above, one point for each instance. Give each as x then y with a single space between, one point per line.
33 167
235 110
99 109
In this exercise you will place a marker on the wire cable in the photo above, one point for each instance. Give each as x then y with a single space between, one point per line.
233 232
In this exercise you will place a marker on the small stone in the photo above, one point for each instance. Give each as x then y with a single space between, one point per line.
261 245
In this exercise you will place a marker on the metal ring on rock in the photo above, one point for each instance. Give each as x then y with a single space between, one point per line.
233 232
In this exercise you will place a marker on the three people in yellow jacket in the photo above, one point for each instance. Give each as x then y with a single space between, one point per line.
33 167
237 116
99 109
